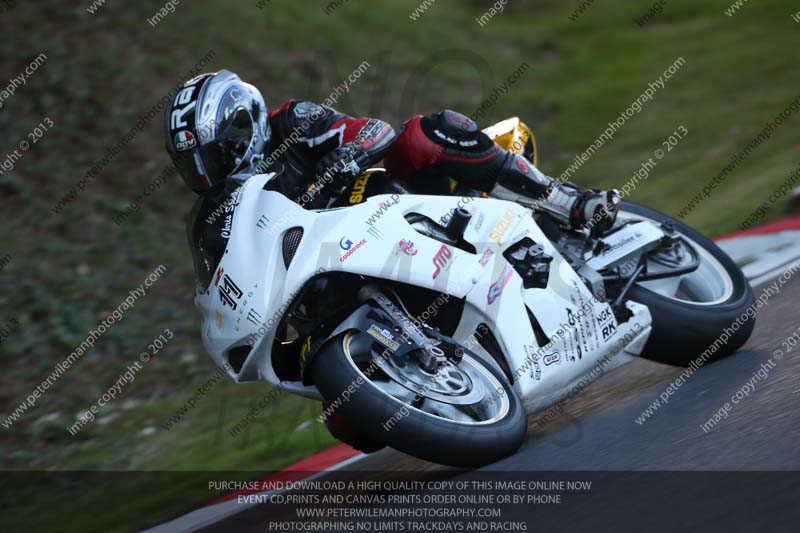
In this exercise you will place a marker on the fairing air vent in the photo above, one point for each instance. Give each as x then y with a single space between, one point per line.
291 242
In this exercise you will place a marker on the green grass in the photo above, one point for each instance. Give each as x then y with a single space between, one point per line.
104 71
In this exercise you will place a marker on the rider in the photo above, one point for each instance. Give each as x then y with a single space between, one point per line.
219 133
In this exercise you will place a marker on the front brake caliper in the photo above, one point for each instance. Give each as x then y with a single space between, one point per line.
430 356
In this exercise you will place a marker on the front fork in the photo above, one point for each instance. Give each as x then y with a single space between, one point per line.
430 356
379 318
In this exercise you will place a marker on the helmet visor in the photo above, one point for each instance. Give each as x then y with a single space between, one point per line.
225 154
190 166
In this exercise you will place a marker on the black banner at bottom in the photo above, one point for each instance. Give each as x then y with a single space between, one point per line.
450 500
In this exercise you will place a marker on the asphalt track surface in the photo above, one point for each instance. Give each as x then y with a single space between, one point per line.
598 432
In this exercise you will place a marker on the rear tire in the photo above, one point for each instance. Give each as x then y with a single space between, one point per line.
417 433
683 330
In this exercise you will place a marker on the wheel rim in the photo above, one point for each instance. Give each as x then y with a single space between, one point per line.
463 394
710 284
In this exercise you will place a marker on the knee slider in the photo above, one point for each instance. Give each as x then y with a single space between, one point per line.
456 133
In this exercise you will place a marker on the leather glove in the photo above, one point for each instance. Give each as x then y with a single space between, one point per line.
348 160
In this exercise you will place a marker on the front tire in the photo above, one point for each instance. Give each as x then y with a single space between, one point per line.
411 429
684 329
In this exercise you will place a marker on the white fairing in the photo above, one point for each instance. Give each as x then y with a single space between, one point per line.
366 239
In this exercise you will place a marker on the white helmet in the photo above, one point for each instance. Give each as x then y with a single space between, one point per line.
216 126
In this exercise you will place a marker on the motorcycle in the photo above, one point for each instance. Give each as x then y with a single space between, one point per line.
436 324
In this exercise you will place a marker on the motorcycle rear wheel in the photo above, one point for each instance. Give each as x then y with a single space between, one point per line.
690 314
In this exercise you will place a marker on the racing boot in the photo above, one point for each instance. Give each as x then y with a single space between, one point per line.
590 209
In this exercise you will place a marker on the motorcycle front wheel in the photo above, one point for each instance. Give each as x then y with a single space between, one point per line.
463 415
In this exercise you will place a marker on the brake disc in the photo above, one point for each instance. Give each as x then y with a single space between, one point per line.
449 384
